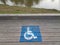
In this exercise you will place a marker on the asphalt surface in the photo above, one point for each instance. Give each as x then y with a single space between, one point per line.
10 30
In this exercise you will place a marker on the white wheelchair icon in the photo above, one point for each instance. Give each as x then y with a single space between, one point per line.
29 32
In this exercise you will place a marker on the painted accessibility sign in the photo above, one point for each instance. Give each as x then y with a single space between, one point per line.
30 34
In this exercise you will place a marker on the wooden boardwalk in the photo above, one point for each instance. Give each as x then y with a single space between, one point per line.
10 31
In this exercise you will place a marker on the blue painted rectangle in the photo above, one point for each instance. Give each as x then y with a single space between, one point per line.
33 28
30 34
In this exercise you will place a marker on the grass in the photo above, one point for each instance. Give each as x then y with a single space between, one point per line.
24 10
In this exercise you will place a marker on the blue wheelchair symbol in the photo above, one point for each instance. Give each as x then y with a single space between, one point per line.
30 34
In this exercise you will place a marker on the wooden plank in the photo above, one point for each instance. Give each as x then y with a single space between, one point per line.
46 14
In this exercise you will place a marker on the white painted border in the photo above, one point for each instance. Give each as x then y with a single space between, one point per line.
29 14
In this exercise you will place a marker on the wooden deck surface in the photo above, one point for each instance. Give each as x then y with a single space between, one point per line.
10 31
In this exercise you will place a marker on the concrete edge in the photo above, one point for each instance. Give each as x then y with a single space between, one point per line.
29 14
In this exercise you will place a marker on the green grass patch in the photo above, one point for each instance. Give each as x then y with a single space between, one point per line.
24 10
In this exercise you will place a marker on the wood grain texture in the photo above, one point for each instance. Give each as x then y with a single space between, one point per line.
10 31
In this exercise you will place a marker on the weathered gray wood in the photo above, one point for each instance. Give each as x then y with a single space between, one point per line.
10 31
